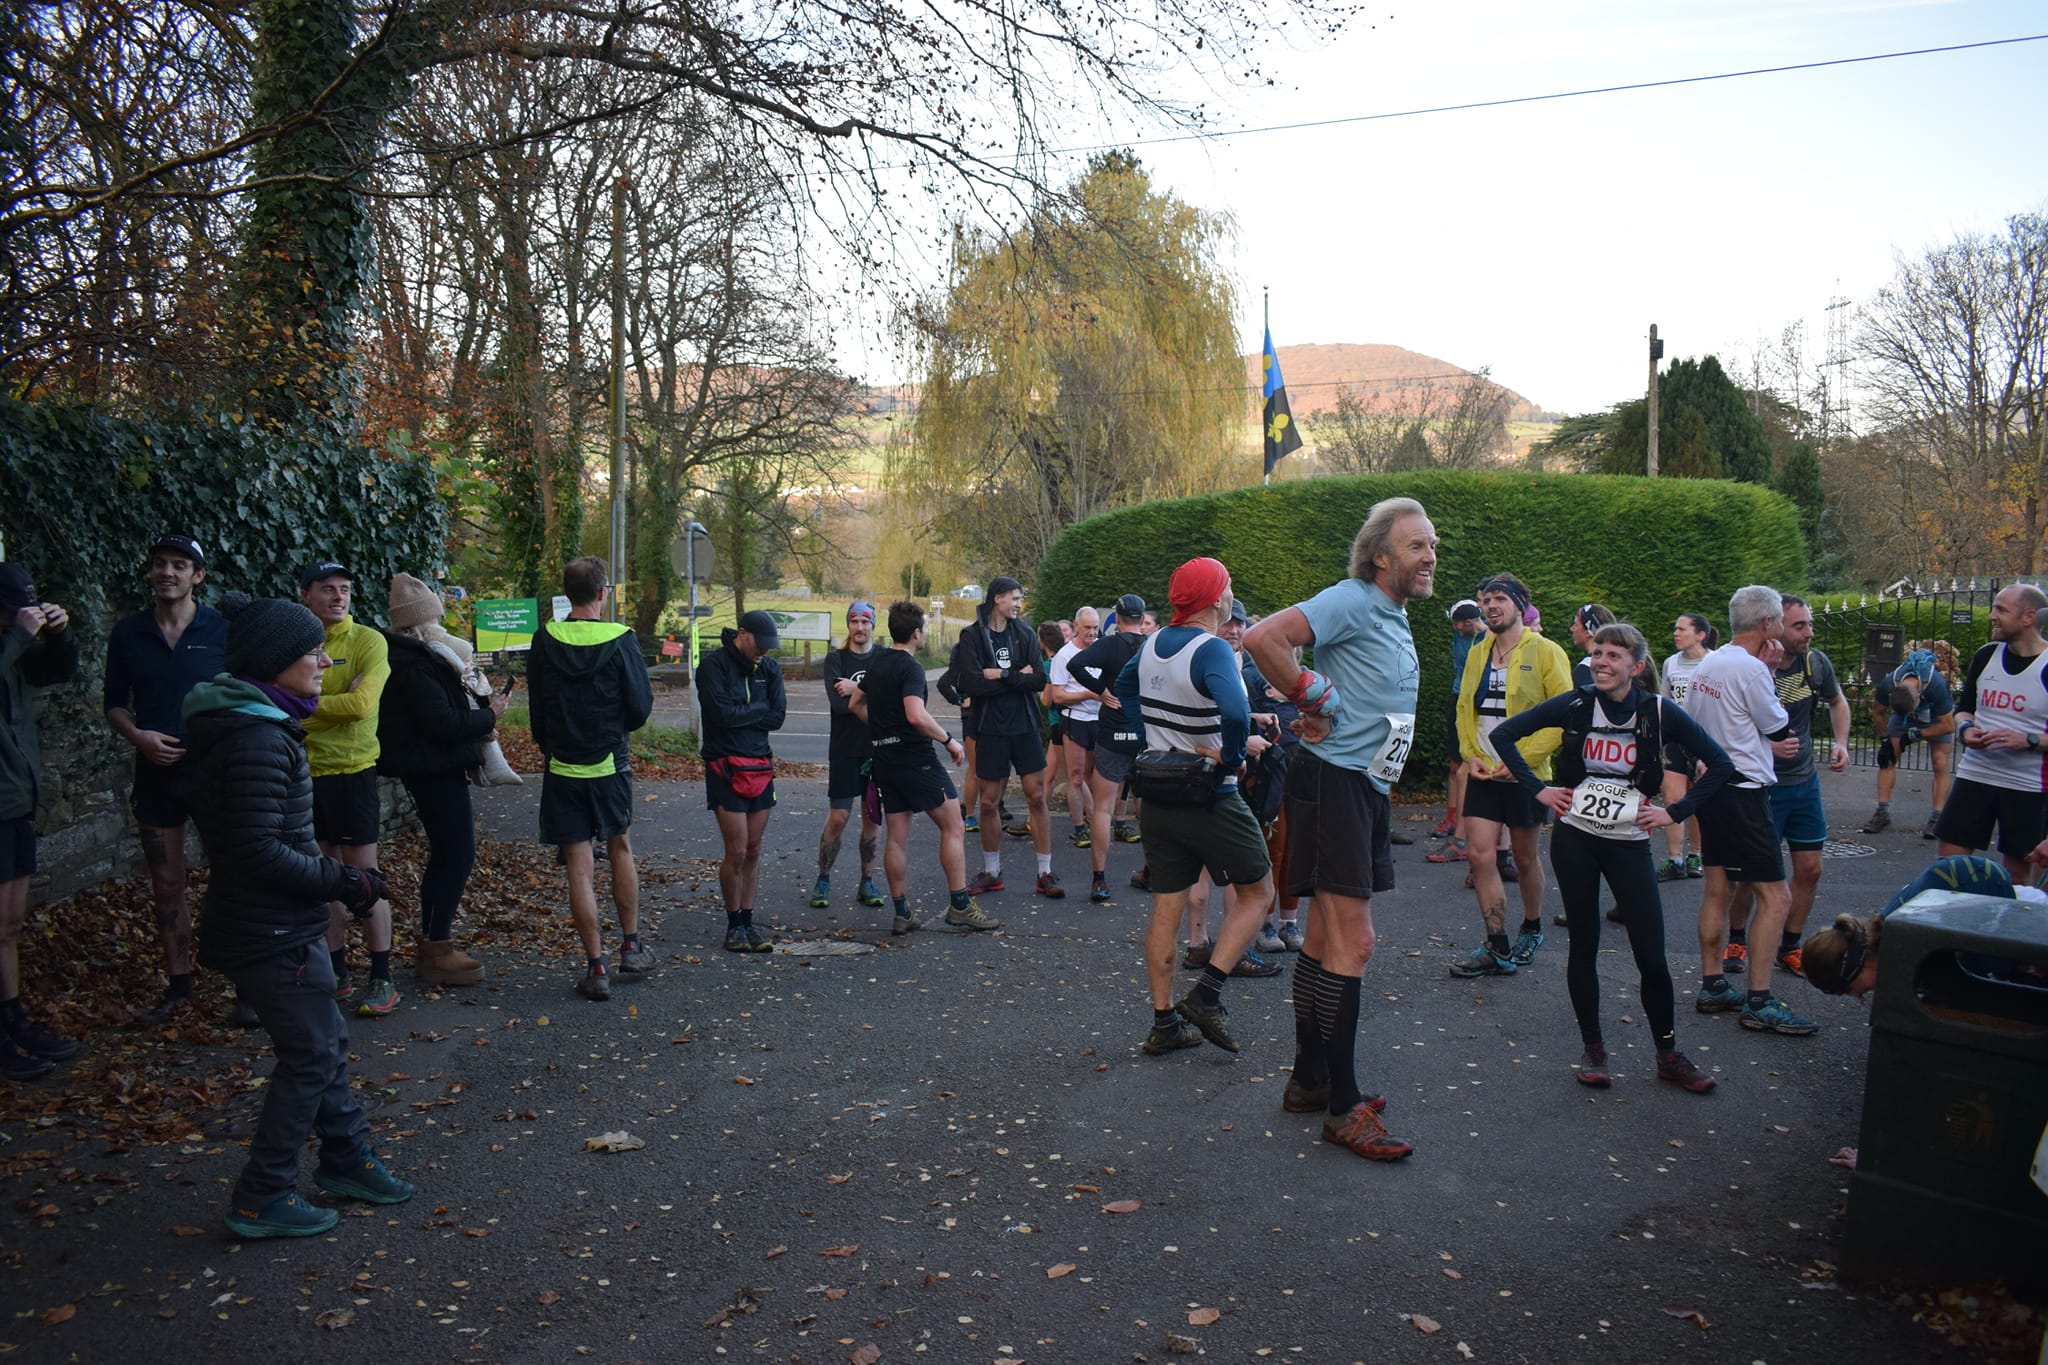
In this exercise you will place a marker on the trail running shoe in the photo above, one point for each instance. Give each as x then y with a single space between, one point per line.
37 1041
1927 830
1362 1132
344 991
1250 963
1452 852
868 894
1793 960
363 1177
636 960
1718 999
757 941
972 917
1142 879
971 824
821 893
1125 832
1098 890
1446 826
1525 948
1678 1069
1593 1068
1483 961
1671 870
985 882
596 985
1212 1020
1018 829
736 940
1777 1017
1081 838
1048 886
1267 941
1195 957
904 924
1300 1098
166 1009
1694 868
1399 836
1170 1038
1735 959
1880 820
380 997
286 1216
1290 936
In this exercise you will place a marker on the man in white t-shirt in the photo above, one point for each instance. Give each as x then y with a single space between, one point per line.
1734 697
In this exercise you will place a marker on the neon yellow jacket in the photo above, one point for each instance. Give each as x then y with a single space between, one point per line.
1537 671
341 736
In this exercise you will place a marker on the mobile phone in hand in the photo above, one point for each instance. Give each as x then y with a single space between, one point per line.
511 681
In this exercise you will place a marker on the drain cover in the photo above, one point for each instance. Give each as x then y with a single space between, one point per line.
1842 848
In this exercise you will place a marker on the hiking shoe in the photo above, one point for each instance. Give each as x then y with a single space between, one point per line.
1483 961
379 999
166 1009
1678 1069
1290 936
1142 879
1793 960
757 942
1927 830
868 894
363 1177
242 1014
1508 871
1098 890
1446 826
972 917
1777 1017
904 924
1048 886
1170 1037
17 1065
1251 964
1694 868
983 883
595 985
1593 1068
1880 820
1735 960
1018 829
1301 1098
1452 852
736 939
1671 870
1267 941
1081 838
971 824
1525 948
37 1041
635 960
1212 1020
1195 957
1362 1132
1125 832
285 1216
821 893
1718 999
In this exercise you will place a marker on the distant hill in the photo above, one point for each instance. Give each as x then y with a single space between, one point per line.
1315 371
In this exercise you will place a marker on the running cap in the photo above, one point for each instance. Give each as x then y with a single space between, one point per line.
1237 613
170 542
17 588
1465 609
322 570
1003 583
1196 586
861 608
1130 607
761 626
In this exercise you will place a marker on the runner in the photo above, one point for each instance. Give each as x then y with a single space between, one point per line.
1117 737
1734 698
2001 775
890 701
1585 621
1004 673
1517 670
154 658
1051 730
1265 791
1694 637
1357 726
1616 731
846 783
1842 958
1081 712
1913 702
739 688
1184 689
1804 680
341 742
1467 625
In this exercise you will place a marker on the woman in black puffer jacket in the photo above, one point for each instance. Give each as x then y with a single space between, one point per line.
431 731
264 923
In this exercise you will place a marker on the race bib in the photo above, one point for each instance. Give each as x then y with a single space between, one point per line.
1386 765
1605 805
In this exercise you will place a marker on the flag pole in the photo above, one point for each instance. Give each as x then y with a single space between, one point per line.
1266 292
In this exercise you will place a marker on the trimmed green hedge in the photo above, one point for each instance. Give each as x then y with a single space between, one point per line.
1648 548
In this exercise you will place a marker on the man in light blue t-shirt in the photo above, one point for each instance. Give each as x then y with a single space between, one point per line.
1357 725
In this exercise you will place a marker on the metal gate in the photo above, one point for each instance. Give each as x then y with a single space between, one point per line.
1866 638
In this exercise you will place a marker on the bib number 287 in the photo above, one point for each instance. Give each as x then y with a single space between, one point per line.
1609 805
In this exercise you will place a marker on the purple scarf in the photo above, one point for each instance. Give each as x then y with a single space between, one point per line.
293 705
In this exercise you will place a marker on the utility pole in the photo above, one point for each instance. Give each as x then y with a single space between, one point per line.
618 389
1656 354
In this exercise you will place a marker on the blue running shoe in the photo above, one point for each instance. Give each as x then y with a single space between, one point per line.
1483 961
285 1216
868 894
1525 948
821 893
971 824
364 1177
1777 1017
1718 999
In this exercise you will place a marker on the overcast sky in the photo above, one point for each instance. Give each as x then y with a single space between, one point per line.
1542 239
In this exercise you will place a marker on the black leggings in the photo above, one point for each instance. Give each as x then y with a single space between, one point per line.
1580 859
443 804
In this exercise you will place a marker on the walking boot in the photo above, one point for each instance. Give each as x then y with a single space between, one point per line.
441 963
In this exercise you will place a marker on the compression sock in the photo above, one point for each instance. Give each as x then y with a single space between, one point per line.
1499 944
1532 926
958 899
1337 1017
902 905
1308 1043
1207 990
380 965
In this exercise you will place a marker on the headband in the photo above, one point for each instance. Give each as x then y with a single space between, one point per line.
1508 586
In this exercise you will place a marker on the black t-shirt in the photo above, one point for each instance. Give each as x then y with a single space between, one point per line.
849 736
1096 668
1007 705
892 675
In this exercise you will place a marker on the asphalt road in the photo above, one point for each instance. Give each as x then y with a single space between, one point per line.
807 730
907 1148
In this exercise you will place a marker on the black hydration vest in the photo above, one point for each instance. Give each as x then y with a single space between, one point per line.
1647 776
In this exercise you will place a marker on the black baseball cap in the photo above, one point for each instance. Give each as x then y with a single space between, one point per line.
170 542
1130 607
761 626
17 588
324 569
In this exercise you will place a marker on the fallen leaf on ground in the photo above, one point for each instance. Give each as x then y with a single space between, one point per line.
1686 1314
1124 1206
1426 1326
1061 1271
773 1252
334 1319
846 1250
63 1312
1180 1345
548 1296
621 1141
1464 1350
1846 1158
1202 1317
187 1230
866 1355
839 1179
743 1080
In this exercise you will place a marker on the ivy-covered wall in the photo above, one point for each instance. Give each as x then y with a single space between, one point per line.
1648 548
81 497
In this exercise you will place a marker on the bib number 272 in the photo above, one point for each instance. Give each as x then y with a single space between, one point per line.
1393 752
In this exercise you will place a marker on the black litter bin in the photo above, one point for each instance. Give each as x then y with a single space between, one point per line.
1955 1098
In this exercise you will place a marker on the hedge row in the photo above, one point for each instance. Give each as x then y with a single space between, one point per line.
1648 548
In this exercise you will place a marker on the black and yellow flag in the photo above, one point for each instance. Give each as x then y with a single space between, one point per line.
1281 437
